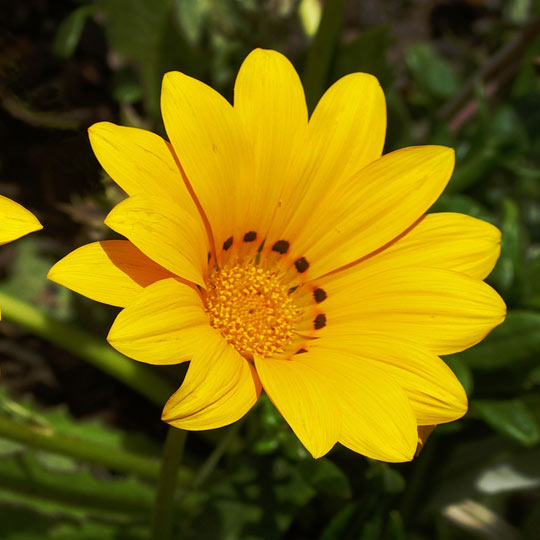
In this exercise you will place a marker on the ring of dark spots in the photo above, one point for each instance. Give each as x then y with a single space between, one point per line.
319 295
300 351
281 247
301 264
320 321
250 236
292 289
228 243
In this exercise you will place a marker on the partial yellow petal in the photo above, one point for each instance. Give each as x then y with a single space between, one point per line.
328 394
113 272
346 132
140 162
220 387
348 127
211 149
434 392
441 310
271 108
373 207
304 398
164 232
453 241
15 221
377 418
166 324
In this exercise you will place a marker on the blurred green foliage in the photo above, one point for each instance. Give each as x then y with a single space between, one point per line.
476 478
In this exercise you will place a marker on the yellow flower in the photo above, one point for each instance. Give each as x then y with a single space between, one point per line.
269 250
15 221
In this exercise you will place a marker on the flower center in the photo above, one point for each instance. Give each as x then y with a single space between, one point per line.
251 308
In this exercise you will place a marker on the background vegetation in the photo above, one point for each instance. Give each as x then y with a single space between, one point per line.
80 434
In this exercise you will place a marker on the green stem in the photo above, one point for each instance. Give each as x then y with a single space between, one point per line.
94 350
162 520
320 55
29 479
113 458
210 464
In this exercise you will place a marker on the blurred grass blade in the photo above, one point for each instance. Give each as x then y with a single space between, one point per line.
110 457
93 350
24 474
317 67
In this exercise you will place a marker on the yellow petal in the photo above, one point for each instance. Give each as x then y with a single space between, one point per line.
164 232
211 150
373 207
220 387
434 392
271 109
345 133
326 394
140 162
348 127
15 221
453 241
165 324
441 310
303 397
377 418
113 272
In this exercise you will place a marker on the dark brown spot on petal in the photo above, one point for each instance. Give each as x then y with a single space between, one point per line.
250 236
292 289
320 321
319 295
228 243
301 264
281 247
300 351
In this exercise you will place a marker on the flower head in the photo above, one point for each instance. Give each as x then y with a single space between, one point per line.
15 221
273 250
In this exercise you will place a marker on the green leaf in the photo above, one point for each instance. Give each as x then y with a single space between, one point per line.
366 53
326 478
434 74
8 447
462 204
462 371
515 341
191 17
508 273
137 30
511 418
25 474
70 31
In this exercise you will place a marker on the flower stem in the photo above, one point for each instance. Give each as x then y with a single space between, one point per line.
210 464
320 55
173 449
116 459
84 345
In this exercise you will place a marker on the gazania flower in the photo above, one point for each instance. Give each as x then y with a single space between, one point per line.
15 221
276 251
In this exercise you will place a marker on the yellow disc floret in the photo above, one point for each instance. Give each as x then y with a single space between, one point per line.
251 308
